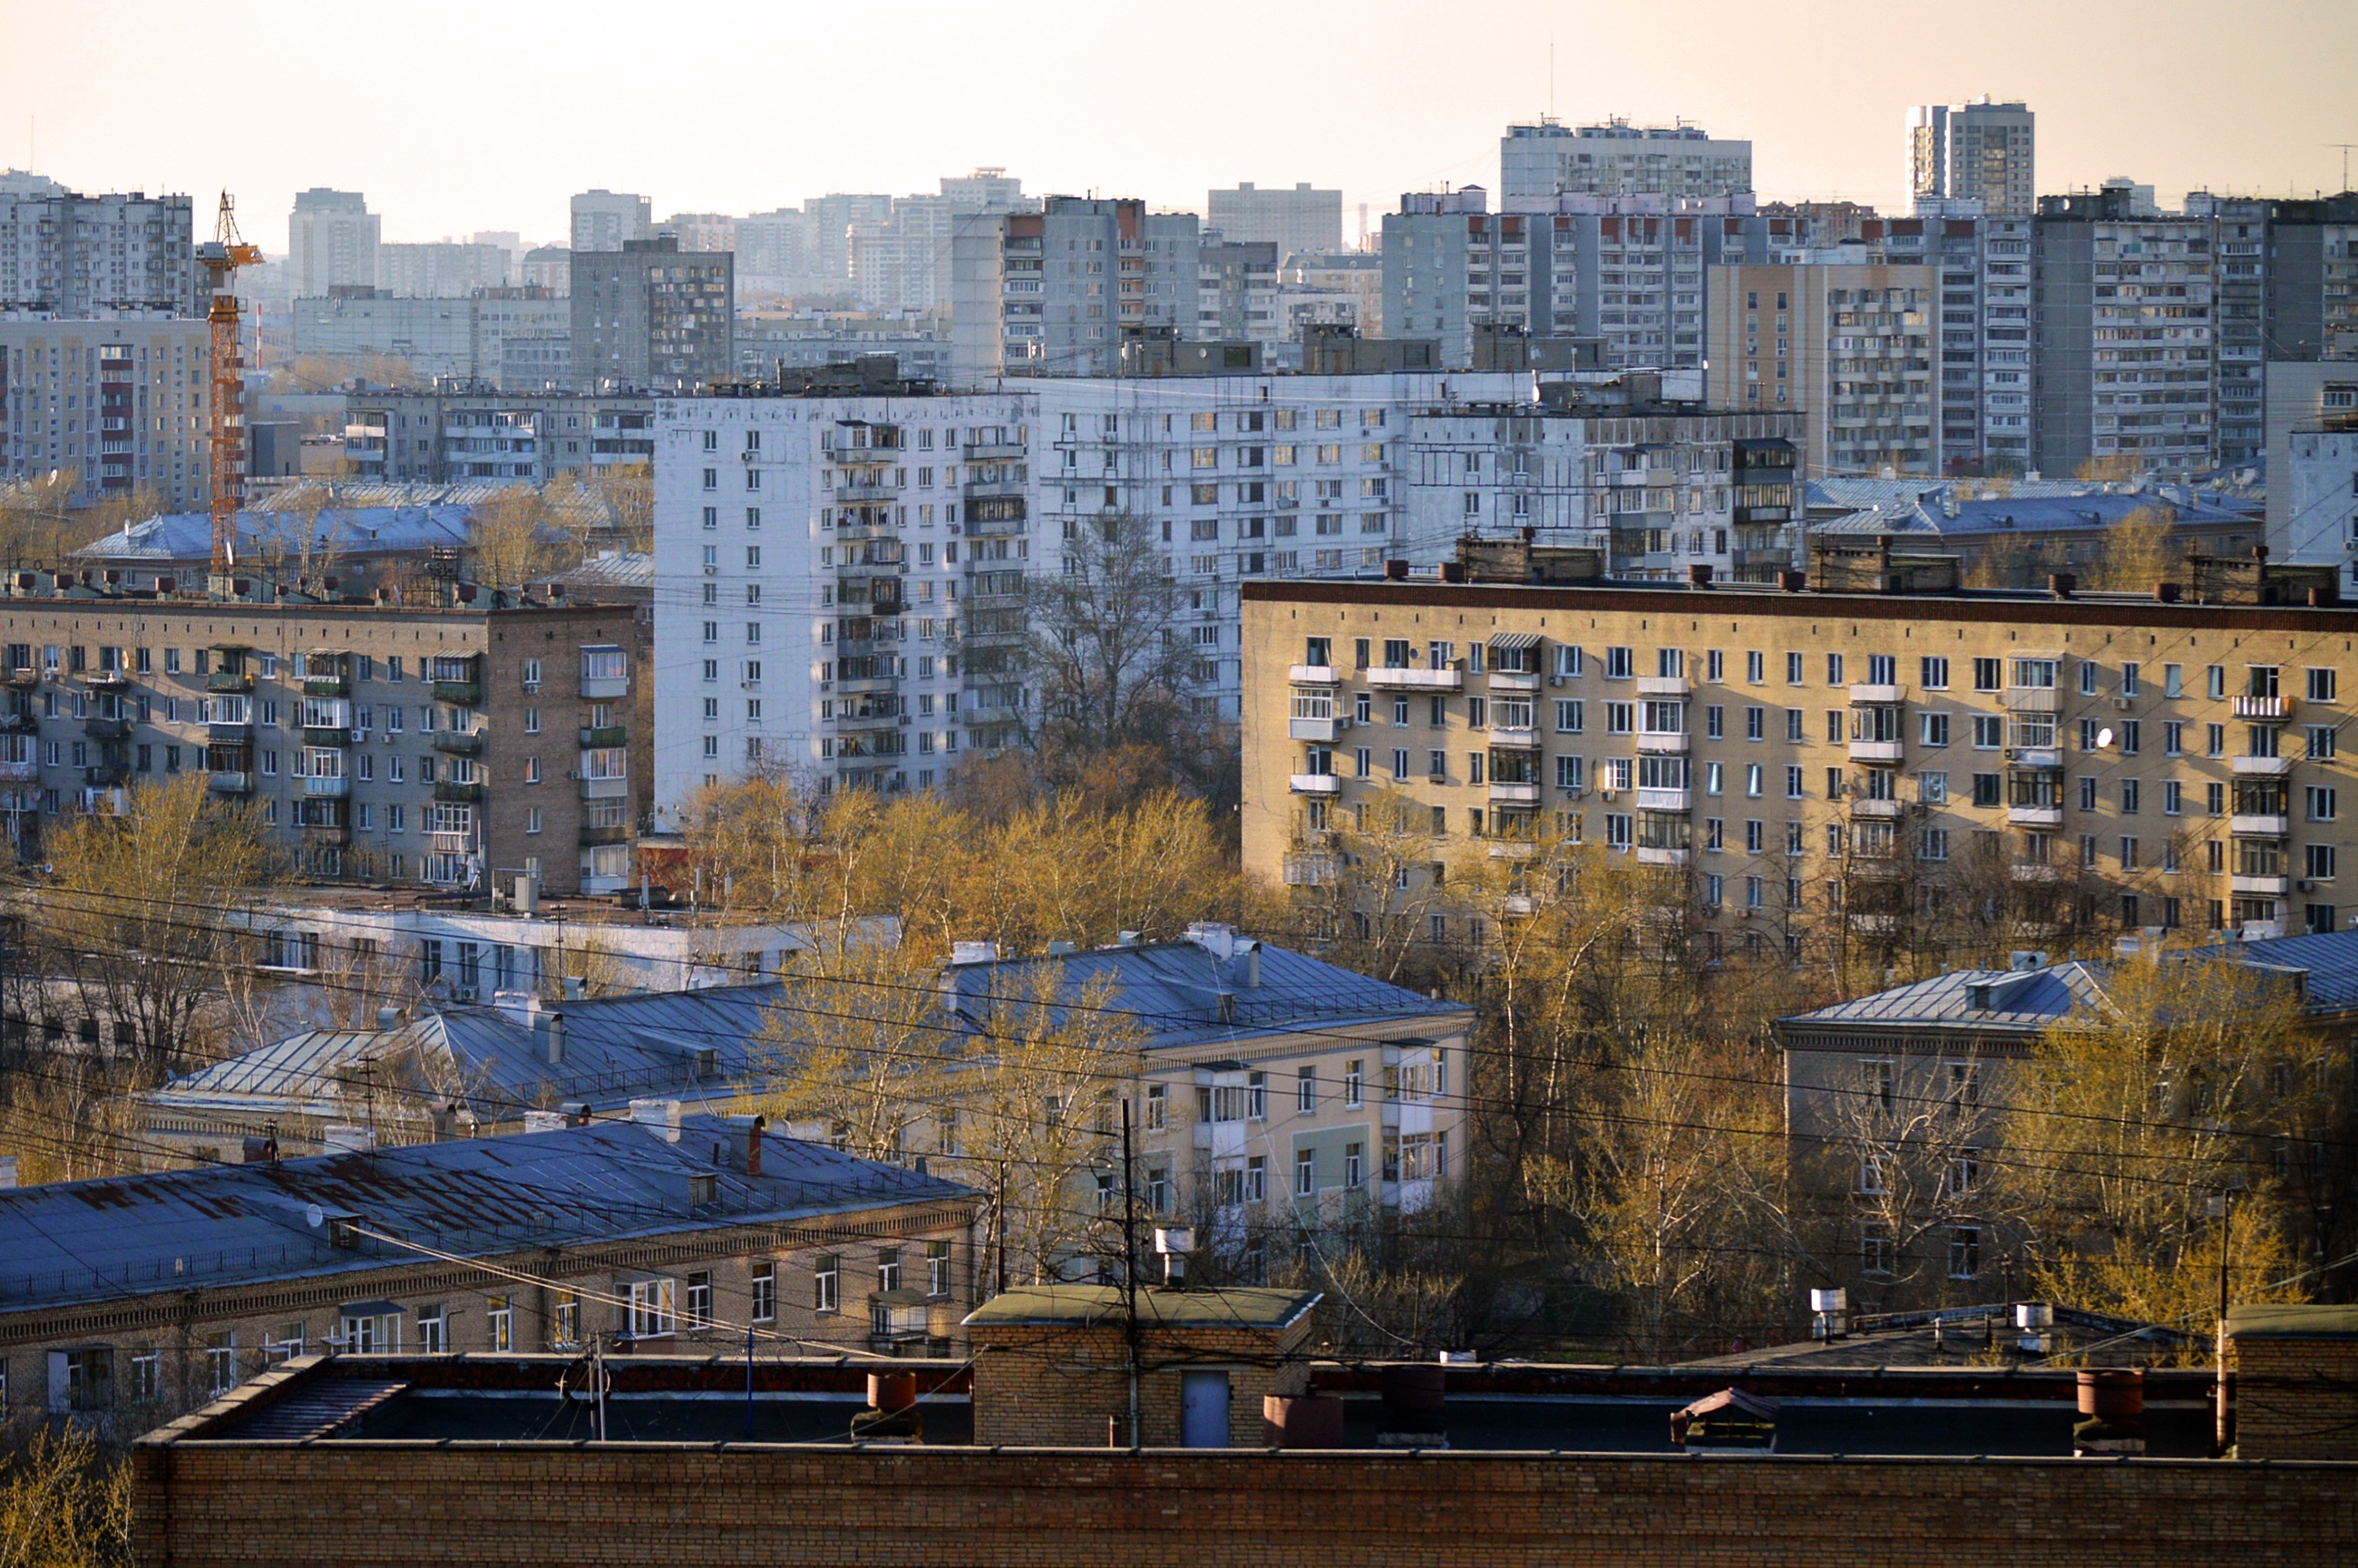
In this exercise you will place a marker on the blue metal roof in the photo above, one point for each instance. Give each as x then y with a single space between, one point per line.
119 1237
2020 1000
362 530
1917 507
1172 991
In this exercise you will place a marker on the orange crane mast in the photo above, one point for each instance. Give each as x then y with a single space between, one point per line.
221 259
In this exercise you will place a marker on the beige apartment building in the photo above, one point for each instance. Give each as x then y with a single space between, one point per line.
1862 753
1847 345
371 735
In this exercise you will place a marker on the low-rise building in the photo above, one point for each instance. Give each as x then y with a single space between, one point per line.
2019 536
125 1300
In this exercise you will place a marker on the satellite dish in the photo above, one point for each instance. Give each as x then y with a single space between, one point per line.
314 1215
2103 738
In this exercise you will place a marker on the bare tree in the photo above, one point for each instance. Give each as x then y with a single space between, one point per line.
1107 654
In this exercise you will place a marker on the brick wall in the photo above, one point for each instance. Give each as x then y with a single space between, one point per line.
504 1505
2296 1398
1043 1386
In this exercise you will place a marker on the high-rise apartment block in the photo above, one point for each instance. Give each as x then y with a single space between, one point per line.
123 404
68 255
331 243
473 339
651 315
369 736
2124 339
608 220
1850 346
1050 293
445 269
1236 296
1980 152
1617 159
449 435
802 515
1301 219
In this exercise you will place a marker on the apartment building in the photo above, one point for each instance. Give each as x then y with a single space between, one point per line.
1050 293
1865 750
367 735
2312 454
1659 485
1981 151
69 255
952 501
123 404
449 435
2285 286
2124 337
445 269
662 1233
1617 159
437 338
331 243
1295 220
651 315
1236 295
1850 346
606 220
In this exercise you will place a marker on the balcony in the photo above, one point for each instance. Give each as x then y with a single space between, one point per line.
19 773
2033 871
107 728
1876 696
2263 767
1515 736
470 792
1866 808
106 680
326 832
2260 825
1513 681
1663 743
22 676
328 789
2265 887
993 452
326 734
2036 758
1664 686
1665 799
2264 709
601 735
464 693
1319 729
1451 678
106 775
1876 750
1314 784
2035 816
1311 868
230 681
230 783
1650 855
1312 674
327 685
613 833
2033 699
598 789
1514 794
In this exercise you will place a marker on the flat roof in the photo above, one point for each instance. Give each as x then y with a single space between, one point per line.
1062 1306
2292 1321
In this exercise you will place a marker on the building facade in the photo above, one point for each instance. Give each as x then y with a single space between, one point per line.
68 255
1295 220
2312 454
1050 293
1852 347
123 404
464 339
1981 152
447 435
2124 365
443 270
1855 762
331 243
1617 159
606 220
367 735
651 315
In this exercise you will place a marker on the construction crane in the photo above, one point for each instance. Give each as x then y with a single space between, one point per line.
221 259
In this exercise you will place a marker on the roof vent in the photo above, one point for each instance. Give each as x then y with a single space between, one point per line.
974 953
342 1138
2022 961
1059 949
544 1121
1126 939
549 1036
1978 994
662 1115
387 1019
1217 939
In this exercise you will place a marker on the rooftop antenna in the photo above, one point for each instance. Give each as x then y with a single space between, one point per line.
2345 147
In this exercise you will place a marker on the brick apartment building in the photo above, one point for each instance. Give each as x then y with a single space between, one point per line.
369 734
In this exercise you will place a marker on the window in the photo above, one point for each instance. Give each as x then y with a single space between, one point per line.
2320 800
1934 728
221 1362
1986 674
500 1316
433 1330
1875 1252
1355 1080
2318 861
1305 1090
653 1306
888 1269
1964 1251
937 1268
766 1293
2322 685
1936 674
1620 664
827 1279
1158 1107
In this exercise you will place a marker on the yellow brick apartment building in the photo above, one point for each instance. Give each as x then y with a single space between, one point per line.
1857 750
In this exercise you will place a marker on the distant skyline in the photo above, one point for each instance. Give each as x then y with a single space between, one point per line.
457 118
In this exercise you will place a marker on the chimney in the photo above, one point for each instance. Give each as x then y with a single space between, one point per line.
2061 584
662 1115
549 1036
1699 574
263 1150
544 1121
753 1146
1250 953
2166 592
7 1171
342 1138
1396 572
387 1019
1792 582
963 953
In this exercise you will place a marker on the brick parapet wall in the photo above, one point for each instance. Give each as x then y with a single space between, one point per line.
1059 1386
2296 1398
339 1504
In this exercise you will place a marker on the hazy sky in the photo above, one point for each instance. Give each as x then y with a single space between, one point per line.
454 117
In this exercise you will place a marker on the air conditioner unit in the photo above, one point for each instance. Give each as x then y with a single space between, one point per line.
1608 794
1555 680
2124 704
360 737
2305 885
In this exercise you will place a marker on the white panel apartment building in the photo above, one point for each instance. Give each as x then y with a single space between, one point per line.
785 525
121 403
1618 158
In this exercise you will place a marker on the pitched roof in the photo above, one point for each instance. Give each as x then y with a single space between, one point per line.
1917 510
118 1237
2017 1000
1235 1306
